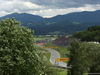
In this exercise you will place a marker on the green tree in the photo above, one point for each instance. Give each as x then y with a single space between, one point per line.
73 57
92 34
84 58
18 55
94 54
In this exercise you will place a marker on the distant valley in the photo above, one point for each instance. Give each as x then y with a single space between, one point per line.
61 24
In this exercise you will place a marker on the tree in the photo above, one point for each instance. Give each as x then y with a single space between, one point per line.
84 58
18 55
94 55
92 34
73 57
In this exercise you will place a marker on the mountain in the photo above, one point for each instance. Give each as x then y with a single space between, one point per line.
85 16
24 17
60 24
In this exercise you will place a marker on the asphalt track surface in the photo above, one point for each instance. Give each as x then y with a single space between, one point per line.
54 54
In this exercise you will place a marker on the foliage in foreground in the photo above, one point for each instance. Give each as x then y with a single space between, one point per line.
18 55
84 58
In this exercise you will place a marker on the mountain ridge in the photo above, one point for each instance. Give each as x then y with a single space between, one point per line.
23 17
85 16
60 24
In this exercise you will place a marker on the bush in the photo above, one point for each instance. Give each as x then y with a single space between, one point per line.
18 55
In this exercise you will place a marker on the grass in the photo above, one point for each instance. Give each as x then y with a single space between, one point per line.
39 49
47 56
46 53
60 71
61 49
43 38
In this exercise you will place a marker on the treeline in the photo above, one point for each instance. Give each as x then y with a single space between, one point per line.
61 28
91 34
84 58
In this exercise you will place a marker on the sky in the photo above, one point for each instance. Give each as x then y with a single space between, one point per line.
47 8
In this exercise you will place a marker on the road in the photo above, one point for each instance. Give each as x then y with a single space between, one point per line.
54 54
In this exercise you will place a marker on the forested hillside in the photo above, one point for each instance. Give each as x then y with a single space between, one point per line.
91 34
64 27
61 24
85 16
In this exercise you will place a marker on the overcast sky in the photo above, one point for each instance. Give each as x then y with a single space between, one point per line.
47 8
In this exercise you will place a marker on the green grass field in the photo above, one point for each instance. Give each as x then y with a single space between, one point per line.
47 55
62 49
60 71
43 38
45 52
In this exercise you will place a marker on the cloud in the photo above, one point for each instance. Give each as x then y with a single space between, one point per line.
54 12
47 8
65 3
3 13
21 6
